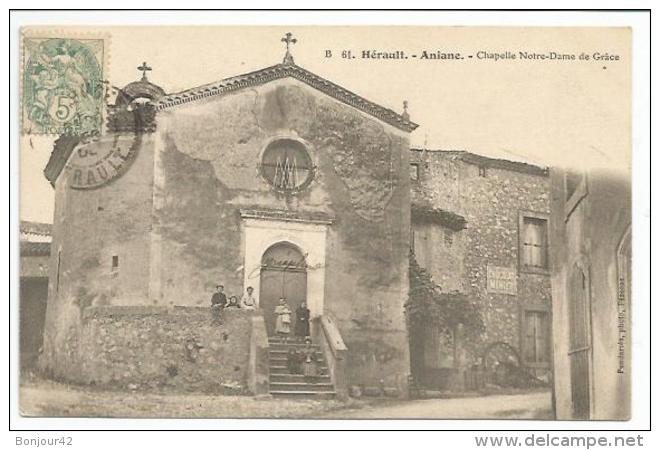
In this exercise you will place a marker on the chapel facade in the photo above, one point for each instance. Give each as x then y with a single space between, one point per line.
276 179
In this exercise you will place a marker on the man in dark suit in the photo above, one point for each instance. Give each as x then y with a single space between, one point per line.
219 298
218 301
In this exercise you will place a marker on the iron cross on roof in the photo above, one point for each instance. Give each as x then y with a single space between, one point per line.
288 40
144 69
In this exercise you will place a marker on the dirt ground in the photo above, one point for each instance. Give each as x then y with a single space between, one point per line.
530 405
44 398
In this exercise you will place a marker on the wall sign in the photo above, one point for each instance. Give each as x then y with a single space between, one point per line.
502 280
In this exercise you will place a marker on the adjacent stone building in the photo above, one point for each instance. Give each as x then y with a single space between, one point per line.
33 292
479 227
591 290
276 179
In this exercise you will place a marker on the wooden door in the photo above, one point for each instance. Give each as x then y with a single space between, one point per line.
283 275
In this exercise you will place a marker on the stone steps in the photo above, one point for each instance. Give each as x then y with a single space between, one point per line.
284 370
282 355
278 346
299 343
296 378
304 386
305 394
279 364
283 383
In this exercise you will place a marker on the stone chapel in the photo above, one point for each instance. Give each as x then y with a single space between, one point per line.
276 179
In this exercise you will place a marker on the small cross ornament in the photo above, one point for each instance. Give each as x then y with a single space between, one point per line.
288 40
144 68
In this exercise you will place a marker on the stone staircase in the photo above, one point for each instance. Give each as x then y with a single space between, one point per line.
283 383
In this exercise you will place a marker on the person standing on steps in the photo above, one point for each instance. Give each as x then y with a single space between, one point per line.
283 319
293 362
309 363
301 330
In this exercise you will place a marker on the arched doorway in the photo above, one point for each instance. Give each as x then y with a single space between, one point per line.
283 275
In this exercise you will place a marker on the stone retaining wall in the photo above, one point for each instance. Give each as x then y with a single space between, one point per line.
179 348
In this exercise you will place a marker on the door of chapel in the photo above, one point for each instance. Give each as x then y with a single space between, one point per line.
283 275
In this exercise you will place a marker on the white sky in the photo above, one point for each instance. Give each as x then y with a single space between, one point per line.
549 113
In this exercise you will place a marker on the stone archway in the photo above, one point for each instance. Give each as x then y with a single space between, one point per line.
308 237
283 275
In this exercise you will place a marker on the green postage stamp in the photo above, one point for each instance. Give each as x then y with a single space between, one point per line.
62 85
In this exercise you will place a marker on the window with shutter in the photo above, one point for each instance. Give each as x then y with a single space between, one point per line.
536 345
534 243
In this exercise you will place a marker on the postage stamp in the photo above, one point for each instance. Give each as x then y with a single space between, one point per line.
62 85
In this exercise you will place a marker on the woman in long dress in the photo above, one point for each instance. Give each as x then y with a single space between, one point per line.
301 330
309 364
283 319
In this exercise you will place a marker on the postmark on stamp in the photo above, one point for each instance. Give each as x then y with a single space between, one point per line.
97 161
62 85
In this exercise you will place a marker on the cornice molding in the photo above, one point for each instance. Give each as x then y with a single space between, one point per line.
280 71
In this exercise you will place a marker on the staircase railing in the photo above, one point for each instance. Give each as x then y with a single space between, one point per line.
329 338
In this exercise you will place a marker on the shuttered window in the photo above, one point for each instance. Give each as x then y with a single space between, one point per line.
534 242
536 343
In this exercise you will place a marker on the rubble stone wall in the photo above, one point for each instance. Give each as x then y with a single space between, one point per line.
183 348
491 199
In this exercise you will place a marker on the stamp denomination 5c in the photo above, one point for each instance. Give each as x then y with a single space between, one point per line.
62 85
